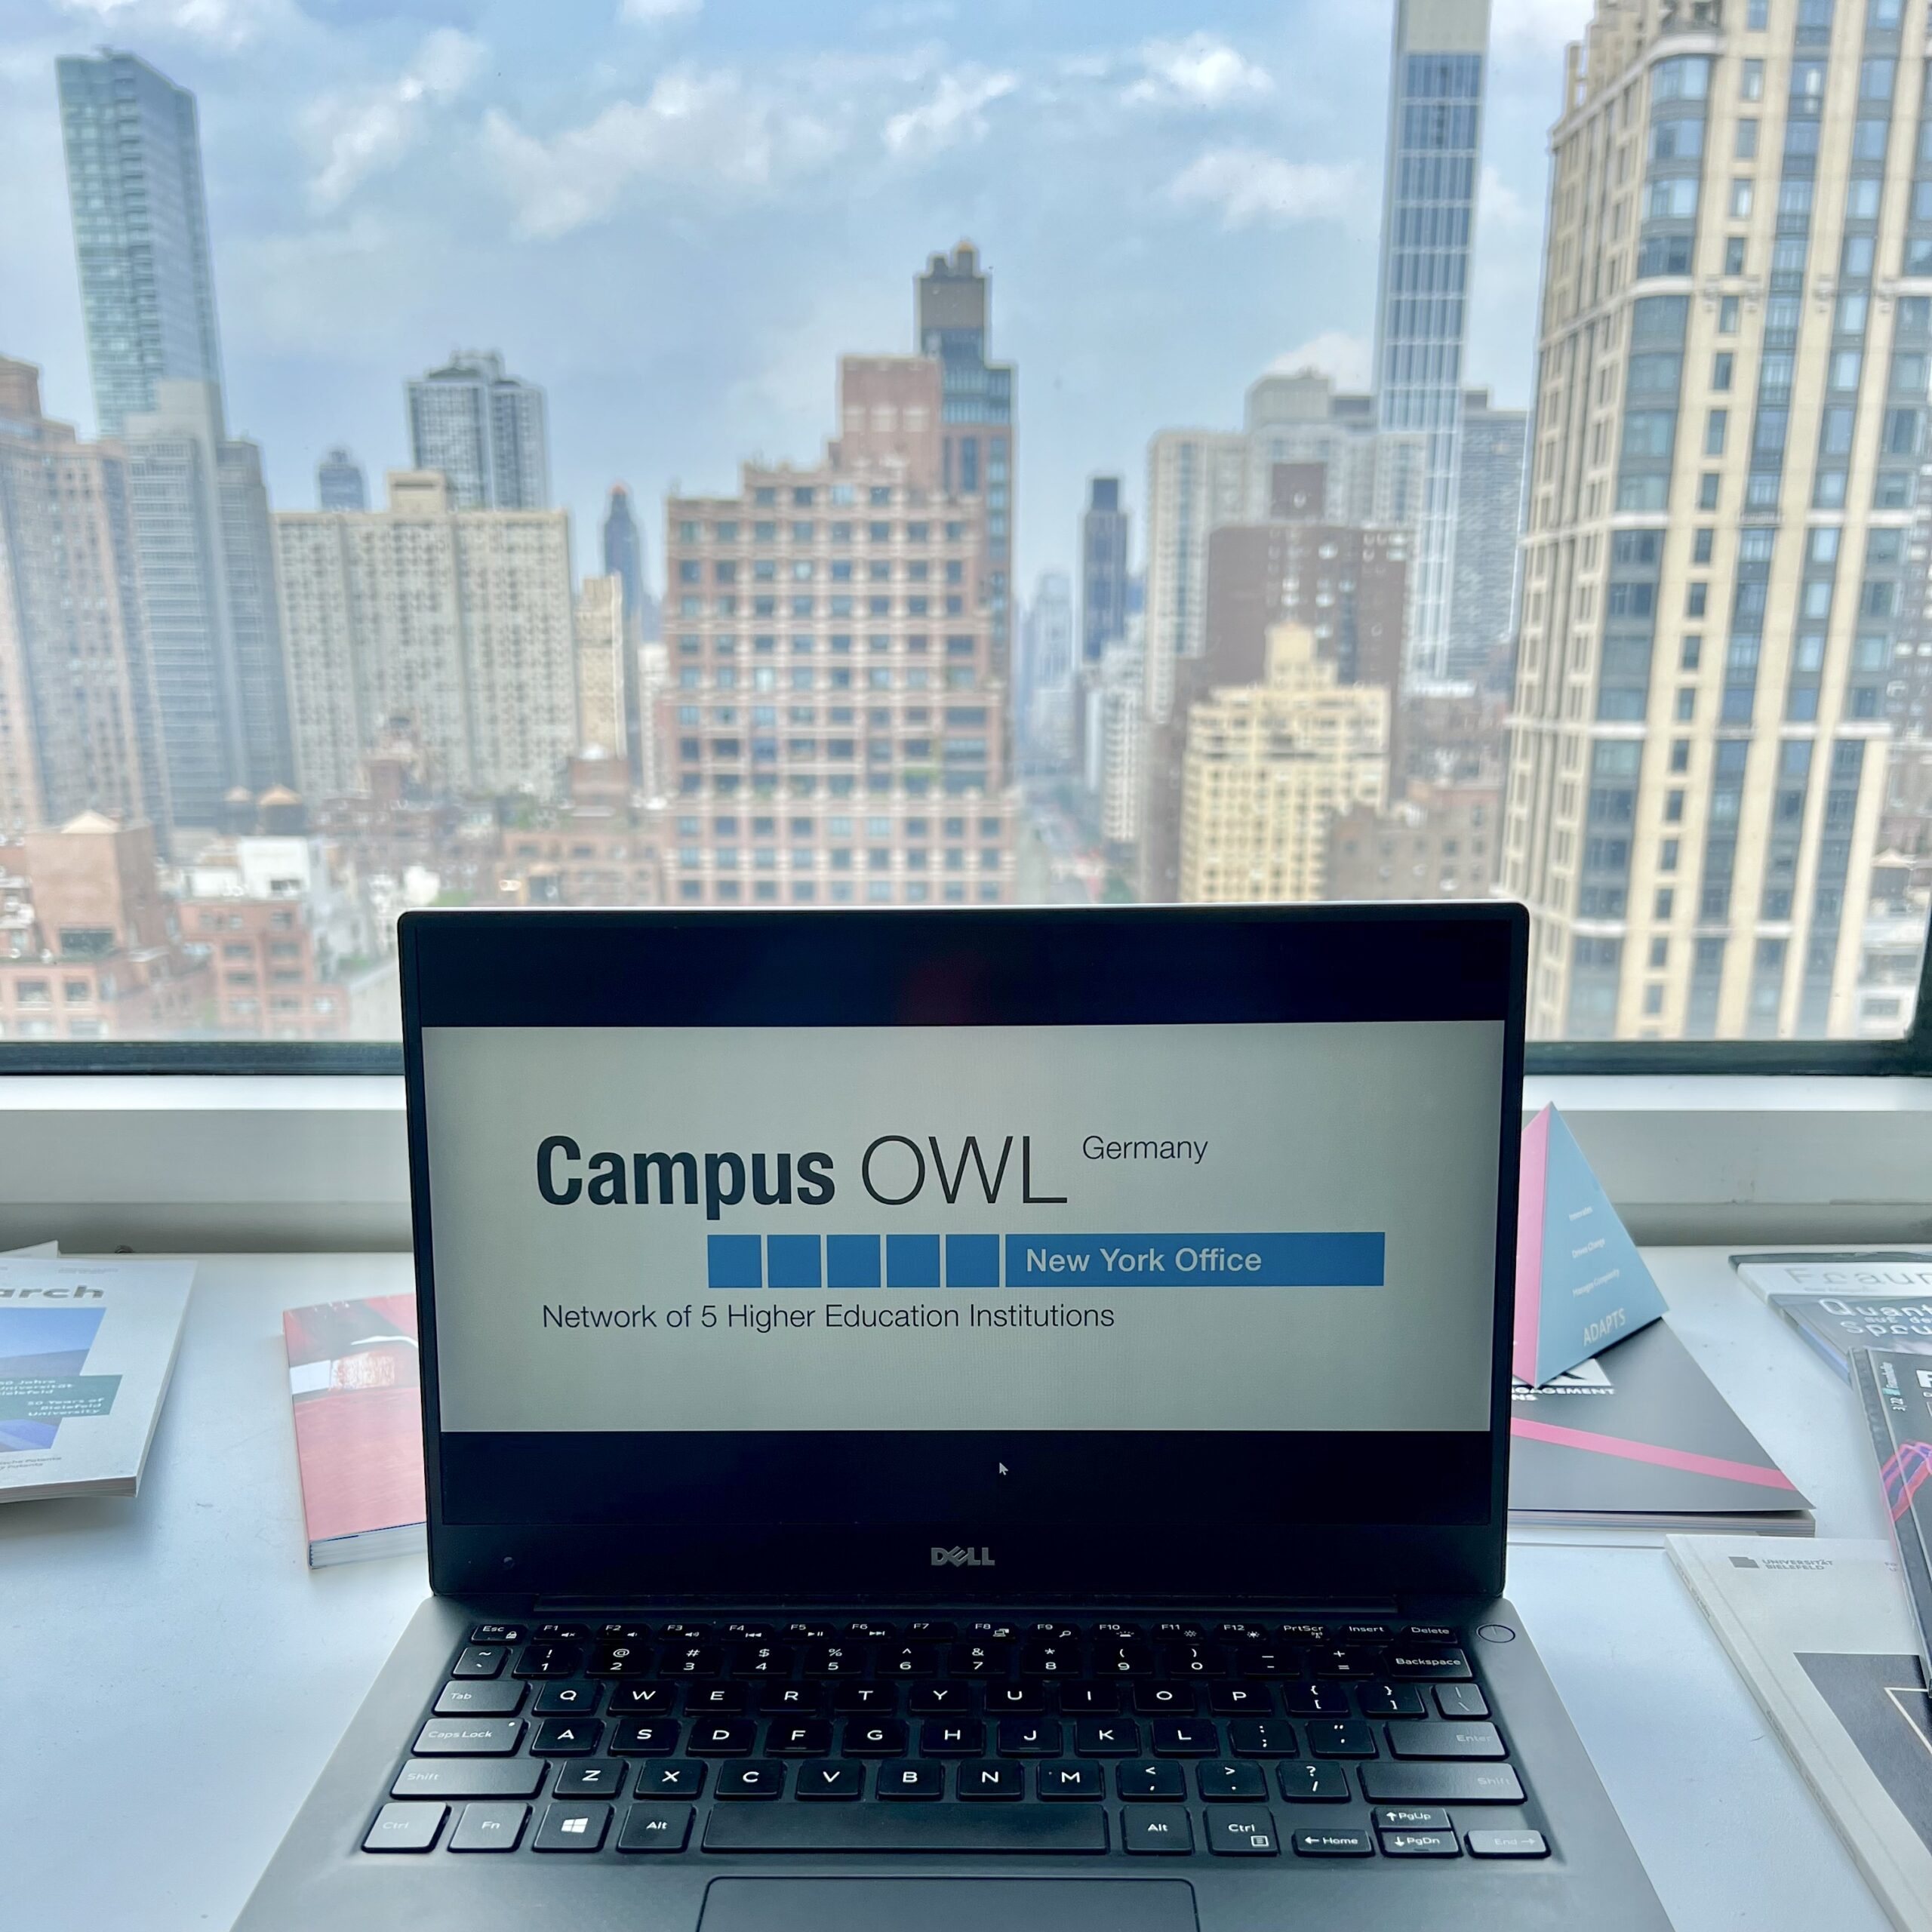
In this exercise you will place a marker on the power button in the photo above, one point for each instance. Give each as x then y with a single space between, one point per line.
1495 1633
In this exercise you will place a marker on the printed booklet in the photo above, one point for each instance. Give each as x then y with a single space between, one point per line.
87 1349
1823 1636
1895 1389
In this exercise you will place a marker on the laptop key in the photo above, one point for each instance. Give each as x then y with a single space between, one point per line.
1185 1737
756 1778
491 1698
1334 1842
1308 1698
1151 1783
1068 1782
546 1660
884 1738
1029 1737
641 1700
563 1700
1344 1737
1412 1660
1506 1844
791 1700
655 1828
405 1828
940 1830
1227 1781
718 1700
643 1737
669 1777
954 1737
489 1827
1248 1833
1240 1700
940 1700
726 1737
1156 1834
1106 1737
871 1699
1461 1700
810 1737
1262 1737
1100 1700
986 1778
469 1737
469 1777
1166 1700
567 1737
830 1781
1310 1782
1412 1818
911 1780
590 1777
1446 1741
497 1633
572 1828
1420 1844
480 1660
1015 1700
1385 1700
1441 1784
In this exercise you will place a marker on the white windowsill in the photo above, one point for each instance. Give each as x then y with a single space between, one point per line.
266 1161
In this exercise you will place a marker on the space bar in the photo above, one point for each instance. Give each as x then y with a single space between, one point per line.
1025 1828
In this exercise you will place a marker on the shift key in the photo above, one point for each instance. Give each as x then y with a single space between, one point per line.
468 1777
1412 1783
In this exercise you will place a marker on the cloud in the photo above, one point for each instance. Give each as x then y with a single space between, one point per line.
1249 185
907 16
1201 71
650 12
360 131
707 133
227 24
1344 359
954 115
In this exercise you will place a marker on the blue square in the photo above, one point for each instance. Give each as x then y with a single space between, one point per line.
911 1261
972 1261
851 1261
790 1261
734 1261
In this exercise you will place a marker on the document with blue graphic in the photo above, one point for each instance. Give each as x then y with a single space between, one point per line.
87 1349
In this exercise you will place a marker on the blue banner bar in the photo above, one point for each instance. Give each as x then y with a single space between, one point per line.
1141 1261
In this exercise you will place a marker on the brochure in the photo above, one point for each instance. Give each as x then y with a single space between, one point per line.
87 1349
1906 1271
352 1379
1895 1389
1825 1640
1637 1437
1836 1324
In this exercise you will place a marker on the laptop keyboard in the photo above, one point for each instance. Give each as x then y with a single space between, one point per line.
1219 1738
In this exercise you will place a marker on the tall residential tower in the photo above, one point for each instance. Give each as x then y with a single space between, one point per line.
483 429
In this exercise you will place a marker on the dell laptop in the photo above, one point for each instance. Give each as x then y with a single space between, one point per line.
946 1421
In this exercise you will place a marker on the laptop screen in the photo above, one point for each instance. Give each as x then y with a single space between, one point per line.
694 1266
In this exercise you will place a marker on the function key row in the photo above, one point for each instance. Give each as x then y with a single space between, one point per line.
926 1630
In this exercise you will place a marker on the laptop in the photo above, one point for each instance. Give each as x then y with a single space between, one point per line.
972 1420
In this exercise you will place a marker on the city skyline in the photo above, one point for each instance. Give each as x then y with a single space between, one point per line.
1163 101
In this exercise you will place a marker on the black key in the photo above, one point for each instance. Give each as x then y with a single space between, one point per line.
1346 1660
808 1633
655 1828
1441 1784
1301 1633
1360 1633
1152 1699
988 1659
561 1700
908 1660
405 1828
865 1632
591 1777
1227 1781
912 1779
952 1737
1112 1632
643 1737
497 1633
752 1633
1045 1632
1310 1782
1420 1844
1384 1699
1194 1661
723 1737
810 1737
1101 1700
1446 1741
1310 1699
469 1737
1150 1782
693 1660
489 1827
1107 1738
1262 1737
468 1777
1029 1737
1015 1700
621 1660
1412 1818
1155 1833
1433 1636
1130 1659
1506 1844
567 1737
757 1777
561 1633
1412 1660
638 1700
792 1700
1240 1700
621 1633
985 1778
1181 1633
882 1737
684 1633
833 1660
938 1830
1186 1737
669 1777
875 1699
546 1660
1341 1737
1067 1781
718 1700
572 1828
490 1699
829 1781
1461 1700
1050 1661
761 1660
941 1700
1267 1660
1334 1842
926 1631
480 1660
1243 1835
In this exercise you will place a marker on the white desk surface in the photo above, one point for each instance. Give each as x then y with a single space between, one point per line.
172 1675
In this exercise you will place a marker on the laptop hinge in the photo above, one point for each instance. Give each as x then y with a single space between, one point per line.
573 1606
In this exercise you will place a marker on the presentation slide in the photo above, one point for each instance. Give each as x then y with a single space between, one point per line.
1247 1227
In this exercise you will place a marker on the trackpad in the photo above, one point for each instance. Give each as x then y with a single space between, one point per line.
948 1904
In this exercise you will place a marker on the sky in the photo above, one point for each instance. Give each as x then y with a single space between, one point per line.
676 214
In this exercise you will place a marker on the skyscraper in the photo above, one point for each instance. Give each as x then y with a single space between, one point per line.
1105 533
623 555
603 653
200 524
1429 198
1196 479
339 482
977 457
1043 695
1731 404
484 430
1489 515
140 231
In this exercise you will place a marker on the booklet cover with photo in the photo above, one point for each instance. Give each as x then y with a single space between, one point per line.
87 1350
352 1378
1835 1325
1895 1389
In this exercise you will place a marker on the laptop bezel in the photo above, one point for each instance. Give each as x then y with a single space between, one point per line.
860 1561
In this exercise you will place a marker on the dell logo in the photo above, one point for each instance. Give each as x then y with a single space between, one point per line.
961 1558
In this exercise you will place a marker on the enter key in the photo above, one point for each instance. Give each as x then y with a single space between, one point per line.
1445 1740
